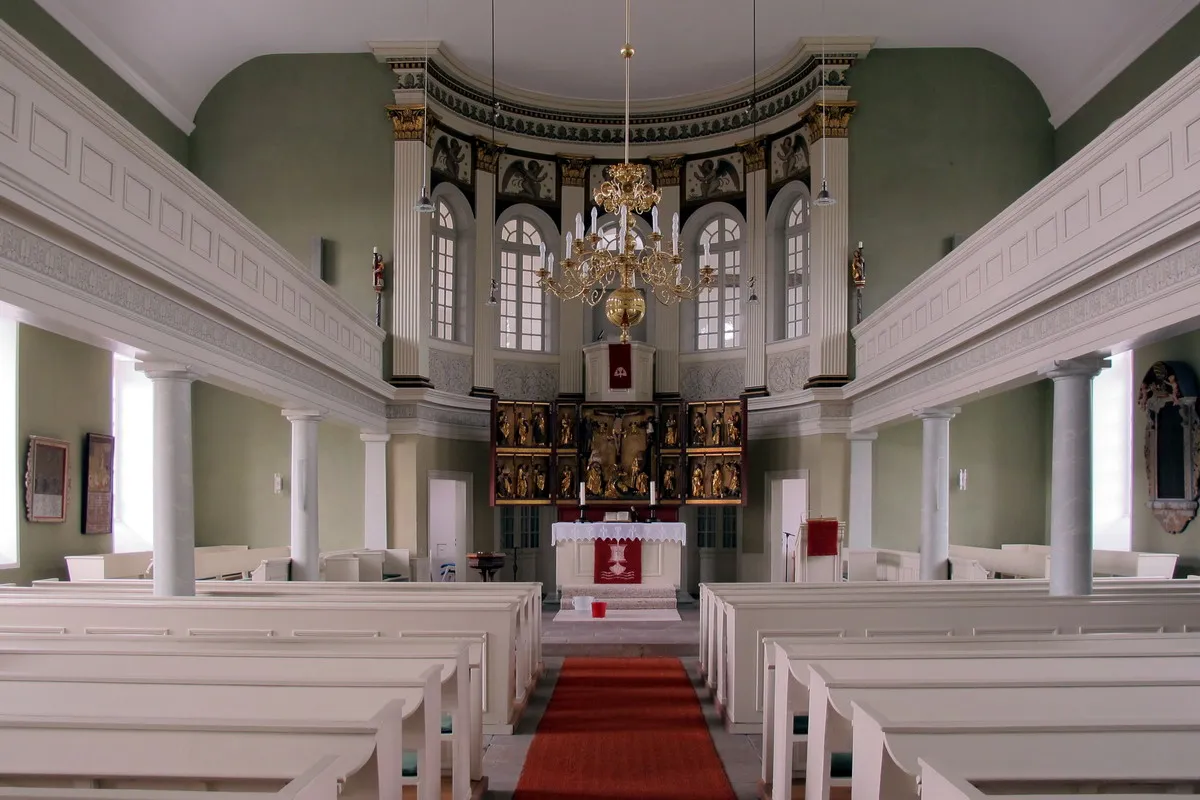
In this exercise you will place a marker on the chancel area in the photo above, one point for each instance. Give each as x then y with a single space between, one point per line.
533 400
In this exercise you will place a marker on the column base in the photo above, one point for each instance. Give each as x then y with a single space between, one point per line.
410 382
482 391
754 391
826 381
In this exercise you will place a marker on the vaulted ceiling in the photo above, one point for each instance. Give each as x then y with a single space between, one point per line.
175 51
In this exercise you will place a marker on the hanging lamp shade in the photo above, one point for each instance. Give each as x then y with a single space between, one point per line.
424 204
824 198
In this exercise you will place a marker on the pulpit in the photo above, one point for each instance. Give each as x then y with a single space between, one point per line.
658 546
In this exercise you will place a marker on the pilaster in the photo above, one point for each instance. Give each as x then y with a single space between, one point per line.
862 490
572 321
754 157
665 334
411 250
935 492
487 156
375 532
827 125
174 487
305 531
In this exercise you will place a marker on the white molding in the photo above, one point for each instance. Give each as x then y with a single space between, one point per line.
83 33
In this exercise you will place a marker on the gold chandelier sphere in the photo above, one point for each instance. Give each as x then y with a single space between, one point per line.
625 307
627 51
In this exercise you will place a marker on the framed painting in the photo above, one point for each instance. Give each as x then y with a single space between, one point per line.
98 502
46 480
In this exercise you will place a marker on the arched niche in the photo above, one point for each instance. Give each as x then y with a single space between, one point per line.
1168 397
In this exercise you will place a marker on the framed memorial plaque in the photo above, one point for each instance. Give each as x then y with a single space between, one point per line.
98 500
46 480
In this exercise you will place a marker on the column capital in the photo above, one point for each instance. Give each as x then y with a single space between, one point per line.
303 414
1085 367
831 118
487 154
667 170
754 154
408 122
373 436
166 371
937 412
574 169
863 436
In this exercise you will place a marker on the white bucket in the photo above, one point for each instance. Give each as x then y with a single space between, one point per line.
583 602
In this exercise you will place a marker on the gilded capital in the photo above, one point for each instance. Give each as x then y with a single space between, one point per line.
574 169
830 119
754 154
487 154
409 121
667 169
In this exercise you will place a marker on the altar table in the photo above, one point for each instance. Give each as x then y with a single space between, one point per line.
661 543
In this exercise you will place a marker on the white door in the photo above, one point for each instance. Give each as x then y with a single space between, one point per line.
447 528
789 503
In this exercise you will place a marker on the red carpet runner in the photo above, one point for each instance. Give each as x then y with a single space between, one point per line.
620 728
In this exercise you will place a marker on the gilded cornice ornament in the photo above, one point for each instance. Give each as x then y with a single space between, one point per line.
408 122
754 153
574 169
667 169
487 154
830 119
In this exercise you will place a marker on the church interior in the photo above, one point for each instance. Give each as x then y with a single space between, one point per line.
570 388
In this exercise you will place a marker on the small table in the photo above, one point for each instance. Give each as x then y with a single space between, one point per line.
488 564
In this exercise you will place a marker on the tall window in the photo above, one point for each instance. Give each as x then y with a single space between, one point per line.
442 296
719 310
133 459
520 526
717 526
10 503
798 243
1112 444
522 302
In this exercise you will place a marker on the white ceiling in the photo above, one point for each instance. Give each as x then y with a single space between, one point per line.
175 51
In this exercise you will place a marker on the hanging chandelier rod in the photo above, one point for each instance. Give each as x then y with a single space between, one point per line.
627 52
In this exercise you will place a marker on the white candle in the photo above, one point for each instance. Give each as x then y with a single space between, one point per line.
595 214
653 494
706 253
860 245
654 219
570 242
542 255
624 228
582 496
375 250
551 266
675 234
579 225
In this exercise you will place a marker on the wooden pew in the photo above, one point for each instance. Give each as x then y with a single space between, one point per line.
254 661
332 617
940 783
101 566
1123 563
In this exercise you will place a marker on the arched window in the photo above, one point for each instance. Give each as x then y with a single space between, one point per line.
442 297
522 302
798 247
719 311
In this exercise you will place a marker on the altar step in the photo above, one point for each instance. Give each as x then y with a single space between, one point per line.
622 595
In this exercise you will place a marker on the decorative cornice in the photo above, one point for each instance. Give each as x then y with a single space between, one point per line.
754 154
809 413
574 169
408 122
828 119
667 170
432 413
781 89
487 154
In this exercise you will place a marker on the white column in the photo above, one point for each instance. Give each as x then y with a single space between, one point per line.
572 319
375 531
306 537
862 492
1071 475
828 125
487 154
935 492
753 156
174 488
665 334
411 251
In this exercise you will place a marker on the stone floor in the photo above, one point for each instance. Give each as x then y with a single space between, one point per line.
505 755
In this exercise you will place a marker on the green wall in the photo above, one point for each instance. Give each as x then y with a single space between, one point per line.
29 20
943 140
410 459
239 444
302 146
1001 442
1176 49
64 391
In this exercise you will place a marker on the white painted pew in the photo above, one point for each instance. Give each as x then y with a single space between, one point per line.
298 617
136 564
228 750
879 564
286 702
1122 563
941 783
889 753
342 661
792 696
799 653
1001 561
978 700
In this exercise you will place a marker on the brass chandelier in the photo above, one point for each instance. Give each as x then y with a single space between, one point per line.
588 268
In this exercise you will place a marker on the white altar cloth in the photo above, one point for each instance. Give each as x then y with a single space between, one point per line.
646 531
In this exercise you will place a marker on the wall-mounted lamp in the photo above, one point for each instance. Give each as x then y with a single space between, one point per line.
278 483
962 480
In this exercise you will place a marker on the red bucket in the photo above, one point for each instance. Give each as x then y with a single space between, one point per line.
599 609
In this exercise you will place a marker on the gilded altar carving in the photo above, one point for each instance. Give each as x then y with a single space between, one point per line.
667 169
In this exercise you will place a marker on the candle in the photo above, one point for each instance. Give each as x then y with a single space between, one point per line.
570 242
595 213
579 225
860 245
542 255
653 494
551 267
675 234
582 496
375 250
654 219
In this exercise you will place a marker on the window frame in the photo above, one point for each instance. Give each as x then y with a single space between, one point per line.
525 285
132 533
444 300
796 310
